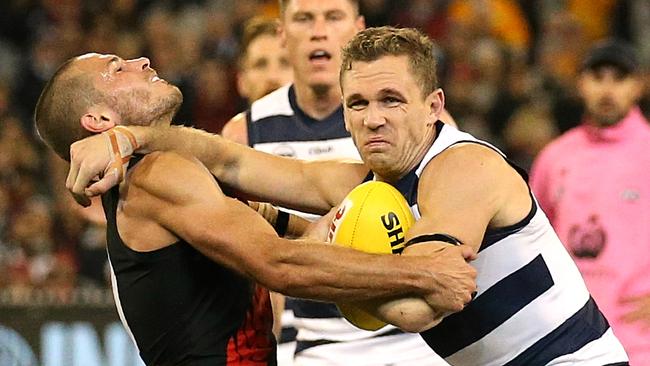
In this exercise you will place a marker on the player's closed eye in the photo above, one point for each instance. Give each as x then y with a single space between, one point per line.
391 101
357 104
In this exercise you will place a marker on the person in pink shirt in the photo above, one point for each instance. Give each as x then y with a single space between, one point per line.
593 182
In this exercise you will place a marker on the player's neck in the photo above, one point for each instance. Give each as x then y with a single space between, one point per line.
318 102
163 121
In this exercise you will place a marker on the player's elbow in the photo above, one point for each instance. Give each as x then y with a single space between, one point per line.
287 282
272 280
417 325
295 272
277 272
411 315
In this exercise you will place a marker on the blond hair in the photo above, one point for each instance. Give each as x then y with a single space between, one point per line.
372 44
254 28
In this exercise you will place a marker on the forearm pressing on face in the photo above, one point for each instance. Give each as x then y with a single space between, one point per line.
289 182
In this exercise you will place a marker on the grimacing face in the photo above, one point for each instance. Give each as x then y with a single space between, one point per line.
314 31
132 87
265 68
608 94
388 117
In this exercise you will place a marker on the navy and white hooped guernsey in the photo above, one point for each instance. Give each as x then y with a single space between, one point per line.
532 306
277 125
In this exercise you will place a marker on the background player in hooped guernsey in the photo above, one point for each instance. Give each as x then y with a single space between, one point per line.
263 63
264 66
184 257
305 120
532 306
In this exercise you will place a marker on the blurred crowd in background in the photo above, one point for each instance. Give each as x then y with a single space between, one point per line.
508 69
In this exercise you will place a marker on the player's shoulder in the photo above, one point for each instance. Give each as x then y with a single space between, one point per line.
473 154
467 166
236 129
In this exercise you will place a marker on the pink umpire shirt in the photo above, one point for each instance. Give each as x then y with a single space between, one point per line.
594 185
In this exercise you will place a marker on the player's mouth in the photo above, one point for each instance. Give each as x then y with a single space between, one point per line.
154 78
319 57
376 142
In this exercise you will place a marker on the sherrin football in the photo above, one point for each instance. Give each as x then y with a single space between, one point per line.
373 218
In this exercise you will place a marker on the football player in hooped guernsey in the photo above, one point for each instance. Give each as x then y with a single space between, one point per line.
531 306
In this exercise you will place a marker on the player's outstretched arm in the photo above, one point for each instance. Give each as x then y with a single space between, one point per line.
307 186
232 234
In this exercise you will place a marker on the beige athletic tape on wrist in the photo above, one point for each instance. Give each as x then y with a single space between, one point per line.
122 143
266 210
277 218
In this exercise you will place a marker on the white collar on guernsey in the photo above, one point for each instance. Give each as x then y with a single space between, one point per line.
274 104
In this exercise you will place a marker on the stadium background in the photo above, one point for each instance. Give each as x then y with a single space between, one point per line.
508 69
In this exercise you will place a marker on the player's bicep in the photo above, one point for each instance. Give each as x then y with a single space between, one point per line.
457 197
188 202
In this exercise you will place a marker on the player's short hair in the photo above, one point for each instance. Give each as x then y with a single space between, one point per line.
372 44
283 5
62 102
253 28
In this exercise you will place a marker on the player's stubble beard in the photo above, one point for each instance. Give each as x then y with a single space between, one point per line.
138 107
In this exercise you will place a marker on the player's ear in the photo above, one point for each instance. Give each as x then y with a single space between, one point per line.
242 86
346 119
99 118
436 103
282 33
360 23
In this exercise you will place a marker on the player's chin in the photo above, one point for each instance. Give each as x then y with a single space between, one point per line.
323 79
377 161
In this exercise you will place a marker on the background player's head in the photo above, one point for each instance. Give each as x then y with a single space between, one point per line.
94 92
391 97
609 82
314 31
263 63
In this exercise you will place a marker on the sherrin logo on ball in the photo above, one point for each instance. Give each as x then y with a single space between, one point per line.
373 218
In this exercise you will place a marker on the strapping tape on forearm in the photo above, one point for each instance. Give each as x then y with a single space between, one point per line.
445 238
121 143
130 136
282 223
